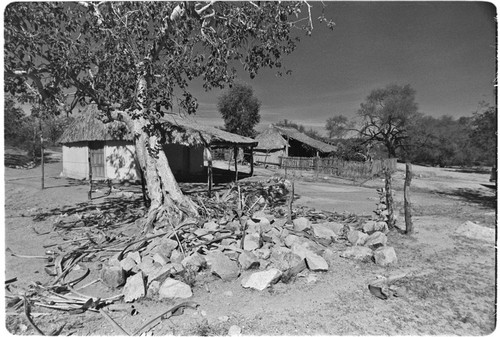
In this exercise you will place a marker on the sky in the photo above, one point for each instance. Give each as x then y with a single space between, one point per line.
446 51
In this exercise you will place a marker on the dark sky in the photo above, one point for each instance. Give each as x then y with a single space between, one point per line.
445 50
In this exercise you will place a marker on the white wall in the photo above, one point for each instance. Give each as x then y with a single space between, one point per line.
120 163
75 160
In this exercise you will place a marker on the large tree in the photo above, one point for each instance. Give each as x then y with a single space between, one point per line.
388 114
240 109
484 133
135 59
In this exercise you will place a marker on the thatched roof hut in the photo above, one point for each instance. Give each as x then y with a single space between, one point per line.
109 147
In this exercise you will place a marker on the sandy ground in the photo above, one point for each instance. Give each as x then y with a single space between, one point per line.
450 290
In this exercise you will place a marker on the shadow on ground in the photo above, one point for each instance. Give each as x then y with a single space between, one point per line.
488 200
21 160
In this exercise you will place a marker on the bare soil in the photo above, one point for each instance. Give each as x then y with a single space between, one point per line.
450 288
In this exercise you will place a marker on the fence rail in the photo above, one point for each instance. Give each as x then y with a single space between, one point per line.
337 167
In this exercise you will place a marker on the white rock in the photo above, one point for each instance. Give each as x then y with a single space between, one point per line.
234 330
173 289
211 226
301 223
248 260
222 266
316 262
322 231
385 256
134 288
261 280
359 253
252 241
357 238
474 231
376 240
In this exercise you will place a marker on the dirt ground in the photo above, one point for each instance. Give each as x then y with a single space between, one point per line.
450 288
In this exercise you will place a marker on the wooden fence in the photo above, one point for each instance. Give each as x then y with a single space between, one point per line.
337 167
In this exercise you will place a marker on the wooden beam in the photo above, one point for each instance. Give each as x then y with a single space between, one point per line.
90 171
251 161
208 153
236 163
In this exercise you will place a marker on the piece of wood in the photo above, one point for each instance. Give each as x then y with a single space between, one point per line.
90 172
290 203
388 197
251 161
292 272
236 163
208 152
407 201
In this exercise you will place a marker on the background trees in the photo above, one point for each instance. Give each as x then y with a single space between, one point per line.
387 115
337 126
239 109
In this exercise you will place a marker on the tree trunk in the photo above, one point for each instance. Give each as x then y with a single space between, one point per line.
168 203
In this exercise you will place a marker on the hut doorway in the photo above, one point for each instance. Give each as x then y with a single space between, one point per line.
96 154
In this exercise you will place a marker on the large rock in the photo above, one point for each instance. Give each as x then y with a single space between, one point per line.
313 260
173 289
301 223
376 240
261 280
372 226
211 226
194 262
263 223
134 288
385 256
323 231
357 238
252 241
159 272
222 266
336 227
291 240
316 262
248 260
128 264
113 277
358 253
473 231
283 258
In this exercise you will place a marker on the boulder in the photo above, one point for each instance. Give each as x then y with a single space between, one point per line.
316 262
173 289
113 277
322 231
262 253
134 288
160 258
262 279
158 272
194 262
153 289
357 238
166 246
234 330
376 240
385 256
301 224
176 257
252 241
336 227
136 256
127 264
358 253
222 266
473 231
369 226
283 258
248 260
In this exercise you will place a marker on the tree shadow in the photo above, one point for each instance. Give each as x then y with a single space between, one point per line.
487 200
17 161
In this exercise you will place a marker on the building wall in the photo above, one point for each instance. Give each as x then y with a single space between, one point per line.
183 160
272 157
120 160
75 160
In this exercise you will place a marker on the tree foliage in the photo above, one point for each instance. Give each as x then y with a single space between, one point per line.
240 109
337 126
387 115
484 133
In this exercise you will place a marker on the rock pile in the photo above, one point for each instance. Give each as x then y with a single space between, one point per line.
369 240
260 250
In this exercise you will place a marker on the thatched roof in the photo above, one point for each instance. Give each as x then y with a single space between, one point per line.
177 129
269 139
87 127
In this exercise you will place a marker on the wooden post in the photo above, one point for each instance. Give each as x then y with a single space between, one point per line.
90 172
409 223
43 163
290 202
236 163
209 171
388 196
251 161
316 165
42 152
